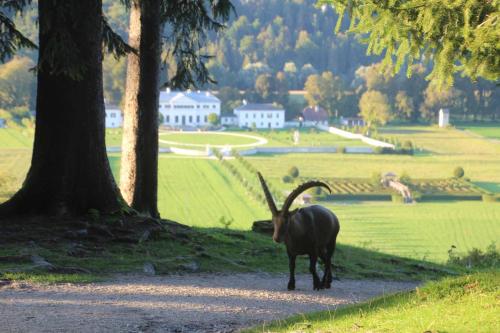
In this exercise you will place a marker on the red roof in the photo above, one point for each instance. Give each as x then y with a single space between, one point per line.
314 113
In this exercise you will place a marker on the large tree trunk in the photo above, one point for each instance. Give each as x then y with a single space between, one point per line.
139 162
69 171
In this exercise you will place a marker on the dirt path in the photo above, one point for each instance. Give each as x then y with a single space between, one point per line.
189 303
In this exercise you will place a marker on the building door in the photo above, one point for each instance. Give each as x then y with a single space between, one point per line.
183 120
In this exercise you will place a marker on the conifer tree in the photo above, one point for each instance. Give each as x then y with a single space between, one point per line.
456 35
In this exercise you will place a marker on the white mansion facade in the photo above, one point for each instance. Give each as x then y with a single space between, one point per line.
259 115
187 108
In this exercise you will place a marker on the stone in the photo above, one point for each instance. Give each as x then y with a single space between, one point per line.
149 268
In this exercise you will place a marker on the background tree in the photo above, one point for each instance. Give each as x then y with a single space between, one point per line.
213 119
265 87
374 108
17 83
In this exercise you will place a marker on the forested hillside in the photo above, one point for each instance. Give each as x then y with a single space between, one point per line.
271 47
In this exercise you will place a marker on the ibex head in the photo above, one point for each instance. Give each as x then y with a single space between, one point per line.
280 217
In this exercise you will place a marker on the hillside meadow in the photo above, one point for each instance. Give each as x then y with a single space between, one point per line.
199 192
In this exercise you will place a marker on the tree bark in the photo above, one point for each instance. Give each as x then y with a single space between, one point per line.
139 162
69 172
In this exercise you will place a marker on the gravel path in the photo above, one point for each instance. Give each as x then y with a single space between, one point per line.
188 303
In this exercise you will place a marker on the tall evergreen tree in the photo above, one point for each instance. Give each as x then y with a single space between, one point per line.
69 172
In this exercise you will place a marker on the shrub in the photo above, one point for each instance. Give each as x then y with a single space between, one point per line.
375 179
458 172
378 150
475 257
225 222
287 179
318 190
341 150
293 172
491 198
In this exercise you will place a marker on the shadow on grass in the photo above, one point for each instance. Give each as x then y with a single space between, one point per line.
189 250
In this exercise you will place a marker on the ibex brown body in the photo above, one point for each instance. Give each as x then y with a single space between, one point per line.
311 230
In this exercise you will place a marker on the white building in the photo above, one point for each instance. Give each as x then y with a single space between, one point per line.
260 115
114 116
444 117
229 120
187 108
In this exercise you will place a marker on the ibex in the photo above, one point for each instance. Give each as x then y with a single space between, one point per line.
311 230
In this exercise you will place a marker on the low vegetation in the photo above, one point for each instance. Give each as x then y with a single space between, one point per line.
453 304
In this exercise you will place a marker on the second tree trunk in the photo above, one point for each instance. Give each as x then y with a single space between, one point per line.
139 161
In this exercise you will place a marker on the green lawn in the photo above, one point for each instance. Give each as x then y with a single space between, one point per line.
198 192
208 138
461 304
309 137
483 168
445 141
15 138
488 131
423 230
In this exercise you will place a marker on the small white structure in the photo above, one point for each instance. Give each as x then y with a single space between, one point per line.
444 117
229 120
260 115
114 118
187 108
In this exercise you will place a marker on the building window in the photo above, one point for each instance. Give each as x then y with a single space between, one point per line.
246 115
168 119
206 118
277 124
254 116
190 119
213 106
112 115
197 106
176 119
277 115
167 106
206 106
197 119
269 115
180 106
262 115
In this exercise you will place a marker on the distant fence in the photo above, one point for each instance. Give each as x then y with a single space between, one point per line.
354 136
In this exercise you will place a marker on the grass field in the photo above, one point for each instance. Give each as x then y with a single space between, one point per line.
445 141
491 131
461 304
309 137
199 192
423 230
485 168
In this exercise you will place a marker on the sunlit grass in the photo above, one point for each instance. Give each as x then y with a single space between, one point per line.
461 304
